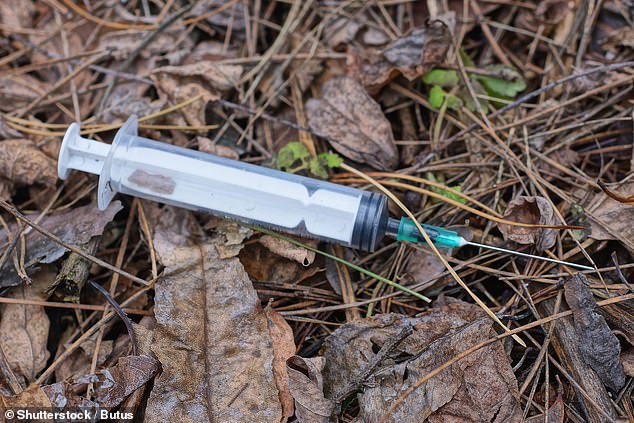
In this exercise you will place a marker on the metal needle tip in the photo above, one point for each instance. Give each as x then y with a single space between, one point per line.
504 250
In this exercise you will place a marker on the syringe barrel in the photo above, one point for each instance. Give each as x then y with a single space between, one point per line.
236 190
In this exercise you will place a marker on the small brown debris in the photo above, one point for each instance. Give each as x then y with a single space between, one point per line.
156 183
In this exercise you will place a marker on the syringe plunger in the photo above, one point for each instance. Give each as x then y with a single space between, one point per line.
227 188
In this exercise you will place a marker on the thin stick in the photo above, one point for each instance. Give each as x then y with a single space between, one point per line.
12 210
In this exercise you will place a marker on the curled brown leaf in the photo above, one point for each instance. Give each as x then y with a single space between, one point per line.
534 210
22 162
354 123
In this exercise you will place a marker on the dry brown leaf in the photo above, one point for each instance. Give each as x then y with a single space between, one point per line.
22 162
112 385
232 16
32 397
263 265
75 226
207 146
306 385
556 413
480 387
17 13
289 250
7 132
283 349
79 362
599 347
414 53
625 199
128 99
6 189
211 335
341 31
210 51
627 358
123 43
410 55
548 15
353 123
532 210
423 265
177 84
611 219
24 328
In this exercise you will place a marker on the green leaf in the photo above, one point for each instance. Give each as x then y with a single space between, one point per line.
332 160
291 153
318 165
506 88
441 77
437 96
450 193
317 168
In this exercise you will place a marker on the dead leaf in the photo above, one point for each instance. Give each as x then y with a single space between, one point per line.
232 16
7 132
479 387
211 335
24 328
32 397
548 14
6 189
263 265
208 146
599 347
79 362
306 385
177 84
611 219
423 265
75 226
556 413
627 358
126 100
283 349
533 210
414 53
112 385
341 31
210 51
289 250
17 13
22 162
625 199
122 43
411 55
353 123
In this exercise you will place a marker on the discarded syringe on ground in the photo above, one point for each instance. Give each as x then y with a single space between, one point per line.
244 192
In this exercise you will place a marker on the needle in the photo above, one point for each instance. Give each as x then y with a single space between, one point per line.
405 230
504 250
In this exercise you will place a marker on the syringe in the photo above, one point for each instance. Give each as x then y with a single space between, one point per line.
240 191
